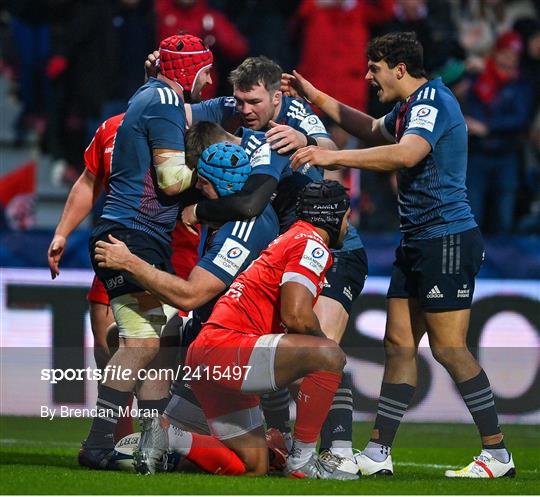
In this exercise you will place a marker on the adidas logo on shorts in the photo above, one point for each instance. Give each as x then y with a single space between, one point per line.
435 293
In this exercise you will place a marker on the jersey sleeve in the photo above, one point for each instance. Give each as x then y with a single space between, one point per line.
165 120
301 116
217 110
93 155
307 263
264 160
388 124
427 119
229 251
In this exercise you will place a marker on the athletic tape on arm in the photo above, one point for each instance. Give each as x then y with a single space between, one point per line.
173 170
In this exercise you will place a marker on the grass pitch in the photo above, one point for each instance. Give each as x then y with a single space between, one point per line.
40 457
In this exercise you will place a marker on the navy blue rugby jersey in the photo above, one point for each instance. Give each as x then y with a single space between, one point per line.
155 119
231 249
432 196
264 160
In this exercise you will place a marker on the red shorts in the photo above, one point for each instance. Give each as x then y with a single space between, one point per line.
97 293
230 369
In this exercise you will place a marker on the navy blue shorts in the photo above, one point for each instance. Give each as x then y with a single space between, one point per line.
141 244
345 279
438 272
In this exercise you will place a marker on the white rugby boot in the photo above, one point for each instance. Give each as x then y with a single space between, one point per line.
484 466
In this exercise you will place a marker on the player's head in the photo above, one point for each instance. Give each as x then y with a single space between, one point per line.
507 53
326 205
186 60
222 170
256 87
200 136
392 59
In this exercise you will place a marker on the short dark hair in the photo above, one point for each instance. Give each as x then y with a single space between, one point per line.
394 48
199 137
257 70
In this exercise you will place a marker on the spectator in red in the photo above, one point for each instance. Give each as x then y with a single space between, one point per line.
197 18
335 36
498 110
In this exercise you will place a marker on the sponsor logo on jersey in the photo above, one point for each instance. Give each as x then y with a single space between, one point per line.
114 282
315 257
229 102
423 116
231 256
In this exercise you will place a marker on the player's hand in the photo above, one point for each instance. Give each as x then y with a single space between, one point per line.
190 219
284 139
296 85
476 127
314 156
151 65
54 254
288 85
113 255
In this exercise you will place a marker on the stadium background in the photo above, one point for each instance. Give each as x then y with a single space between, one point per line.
65 65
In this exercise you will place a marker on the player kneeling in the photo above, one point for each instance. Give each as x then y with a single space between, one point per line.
262 336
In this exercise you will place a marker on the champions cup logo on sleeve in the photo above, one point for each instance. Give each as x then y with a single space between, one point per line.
312 125
262 156
315 257
423 116
234 253
231 257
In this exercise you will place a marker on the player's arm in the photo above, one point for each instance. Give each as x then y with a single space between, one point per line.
407 153
250 201
200 287
355 122
173 174
297 310
80 201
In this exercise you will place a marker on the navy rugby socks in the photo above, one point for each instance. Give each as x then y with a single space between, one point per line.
478 397
111 404
393 403
336 433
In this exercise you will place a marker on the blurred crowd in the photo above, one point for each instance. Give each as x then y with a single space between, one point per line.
73 63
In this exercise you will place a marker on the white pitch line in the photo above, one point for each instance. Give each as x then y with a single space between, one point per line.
68 445
446 466
41 443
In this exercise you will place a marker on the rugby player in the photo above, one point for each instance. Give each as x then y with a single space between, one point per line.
246 330
149 181
441 251
276 123
82 197
222 170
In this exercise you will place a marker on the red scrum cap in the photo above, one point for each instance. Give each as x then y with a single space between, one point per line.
182 58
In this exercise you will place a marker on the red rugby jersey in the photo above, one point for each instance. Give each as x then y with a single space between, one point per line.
98 155
252 303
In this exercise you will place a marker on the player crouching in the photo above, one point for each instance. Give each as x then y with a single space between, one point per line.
265 326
